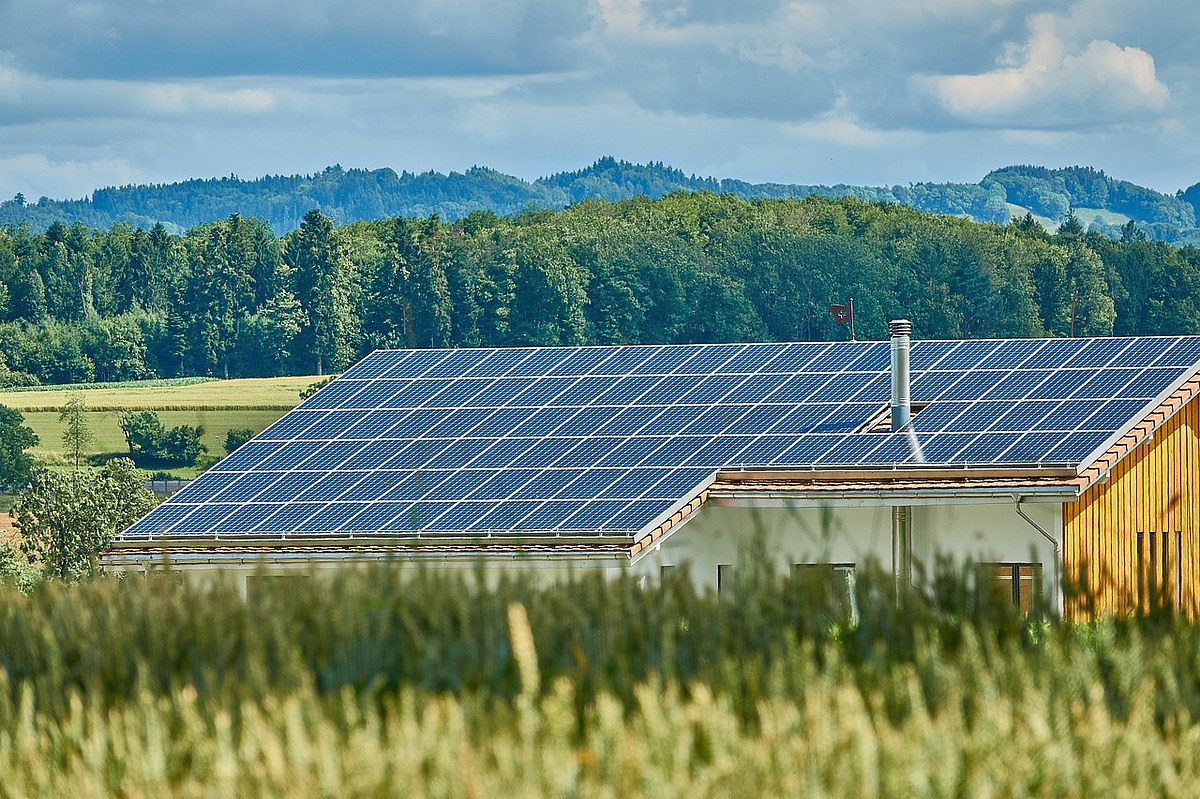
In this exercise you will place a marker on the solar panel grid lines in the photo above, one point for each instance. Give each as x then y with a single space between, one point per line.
709 358
500 362
924 354
462 434
1097 354
1185 351
1011 354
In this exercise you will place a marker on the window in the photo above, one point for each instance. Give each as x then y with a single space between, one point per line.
1160 572
724 577
830 583
666 573
260 587
1019 583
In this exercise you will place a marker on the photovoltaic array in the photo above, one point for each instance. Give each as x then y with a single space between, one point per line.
605 440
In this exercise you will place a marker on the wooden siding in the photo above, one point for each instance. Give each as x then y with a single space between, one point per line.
1122 538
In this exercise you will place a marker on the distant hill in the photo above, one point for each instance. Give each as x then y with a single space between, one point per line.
355 194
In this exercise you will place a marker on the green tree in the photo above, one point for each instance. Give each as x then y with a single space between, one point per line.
235 438
324 278
218 296
15 571
77 433
66 519
182 444
143 433
16 465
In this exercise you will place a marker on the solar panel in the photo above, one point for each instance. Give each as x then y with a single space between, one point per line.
634 483
1150 383
967 355
1184 352
543 440
289 517
1054 353
372 366
795 358
497 363
924 354
540 361
380 517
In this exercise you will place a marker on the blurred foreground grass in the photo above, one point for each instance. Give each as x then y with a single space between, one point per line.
371 683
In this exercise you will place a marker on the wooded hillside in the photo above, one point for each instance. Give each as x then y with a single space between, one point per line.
358 195
232 299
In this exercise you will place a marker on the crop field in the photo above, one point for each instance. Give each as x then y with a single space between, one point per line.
379 683
279 393
218 406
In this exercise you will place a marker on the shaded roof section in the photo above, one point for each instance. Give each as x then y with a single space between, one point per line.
615 440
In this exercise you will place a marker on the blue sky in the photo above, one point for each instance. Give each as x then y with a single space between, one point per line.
828 91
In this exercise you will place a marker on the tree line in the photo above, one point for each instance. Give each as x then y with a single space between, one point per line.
230 298
349 195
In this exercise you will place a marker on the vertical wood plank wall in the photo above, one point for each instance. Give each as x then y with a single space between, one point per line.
1153 489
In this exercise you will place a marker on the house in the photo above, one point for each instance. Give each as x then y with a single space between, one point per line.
1035 457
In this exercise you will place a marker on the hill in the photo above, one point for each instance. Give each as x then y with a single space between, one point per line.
349 195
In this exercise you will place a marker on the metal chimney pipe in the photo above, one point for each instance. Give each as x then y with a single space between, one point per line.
900 329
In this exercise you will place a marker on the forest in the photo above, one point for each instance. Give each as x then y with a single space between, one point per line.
231 298
351 195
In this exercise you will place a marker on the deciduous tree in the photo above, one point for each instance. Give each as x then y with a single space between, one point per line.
66 519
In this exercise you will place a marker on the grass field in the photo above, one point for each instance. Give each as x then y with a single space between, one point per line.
279 393
1085 216
380 684
217 406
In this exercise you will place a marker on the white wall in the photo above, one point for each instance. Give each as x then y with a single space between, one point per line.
980 532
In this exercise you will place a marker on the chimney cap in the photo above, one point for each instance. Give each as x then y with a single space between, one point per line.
899 327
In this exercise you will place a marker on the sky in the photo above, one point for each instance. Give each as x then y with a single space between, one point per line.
875 92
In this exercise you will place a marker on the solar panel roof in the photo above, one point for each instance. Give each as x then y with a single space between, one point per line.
605 440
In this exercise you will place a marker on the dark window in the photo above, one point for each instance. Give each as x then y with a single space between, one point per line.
260 587
1160 572
830 585
724 577
1018 583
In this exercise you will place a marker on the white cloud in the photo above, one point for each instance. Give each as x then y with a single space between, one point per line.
1052 83
179 98
64 179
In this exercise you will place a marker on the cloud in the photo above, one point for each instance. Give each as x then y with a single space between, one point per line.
1050 83
134 39
801 90
26 98
64 178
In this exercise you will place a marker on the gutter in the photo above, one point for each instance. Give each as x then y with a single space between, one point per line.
1017 499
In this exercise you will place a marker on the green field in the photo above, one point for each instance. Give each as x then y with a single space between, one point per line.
218 406
380 684
1085 216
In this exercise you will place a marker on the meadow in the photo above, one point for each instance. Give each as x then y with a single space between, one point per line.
216 405
374 683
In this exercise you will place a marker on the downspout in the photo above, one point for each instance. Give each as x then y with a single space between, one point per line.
1054 542
901 413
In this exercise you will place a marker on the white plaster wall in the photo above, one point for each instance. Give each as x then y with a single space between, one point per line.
541 570
980 532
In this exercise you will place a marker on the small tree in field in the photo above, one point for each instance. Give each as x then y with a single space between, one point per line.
235 438
143 433
66 519
77 434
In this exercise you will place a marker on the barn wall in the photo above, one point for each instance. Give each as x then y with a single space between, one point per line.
1153 492
977 532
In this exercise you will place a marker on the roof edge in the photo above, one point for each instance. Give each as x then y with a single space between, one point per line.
1133 435
909 472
